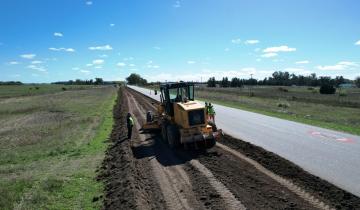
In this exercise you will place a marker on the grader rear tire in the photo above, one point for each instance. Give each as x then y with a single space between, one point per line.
173 136
164 133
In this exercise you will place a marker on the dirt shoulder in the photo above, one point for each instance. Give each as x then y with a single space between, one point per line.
128 185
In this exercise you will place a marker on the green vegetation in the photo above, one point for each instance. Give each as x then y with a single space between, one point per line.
302 104
7 91
135 79
279 78
51 145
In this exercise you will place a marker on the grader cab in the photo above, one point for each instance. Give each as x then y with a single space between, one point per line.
182 120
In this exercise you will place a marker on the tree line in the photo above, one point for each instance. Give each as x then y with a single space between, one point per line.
10 83
96 81
280 78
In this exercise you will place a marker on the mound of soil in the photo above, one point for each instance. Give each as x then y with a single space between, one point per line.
320 188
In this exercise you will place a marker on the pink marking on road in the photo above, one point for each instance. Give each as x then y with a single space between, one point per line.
331 137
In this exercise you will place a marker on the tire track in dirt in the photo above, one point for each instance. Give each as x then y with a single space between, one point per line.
286 183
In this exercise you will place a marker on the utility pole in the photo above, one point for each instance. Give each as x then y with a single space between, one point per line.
250 88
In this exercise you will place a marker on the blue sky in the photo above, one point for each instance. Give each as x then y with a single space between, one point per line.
46 41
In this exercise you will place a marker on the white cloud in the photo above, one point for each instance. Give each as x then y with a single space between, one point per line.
58 34
269 55
120 64
28 56
131 65
236 41
343 65
104 47
37 62
348 63
85 71
98 62
227 49
302 62
157 48
128 59
89 64
300 71
112 24
252 41
13 63
357 43
177 4
191 62
98 67
282 48
89 3
38 68
62 49
75 68
152 66
103 56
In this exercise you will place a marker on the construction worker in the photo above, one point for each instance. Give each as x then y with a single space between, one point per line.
130 124
206 108
211 112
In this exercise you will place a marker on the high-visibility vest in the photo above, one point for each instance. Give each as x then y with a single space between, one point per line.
211 110
131 121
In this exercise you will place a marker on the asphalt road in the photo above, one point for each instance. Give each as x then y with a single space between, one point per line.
331 155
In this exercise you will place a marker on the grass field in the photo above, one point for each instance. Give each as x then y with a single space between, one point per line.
299 104
51 145
9 91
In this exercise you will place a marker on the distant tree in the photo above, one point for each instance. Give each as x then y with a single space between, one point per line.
325 81
236 82
339 80
11 83
357 82
98 81
135 79
225 82
327 89
211 82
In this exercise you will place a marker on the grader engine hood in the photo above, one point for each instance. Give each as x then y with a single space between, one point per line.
191 105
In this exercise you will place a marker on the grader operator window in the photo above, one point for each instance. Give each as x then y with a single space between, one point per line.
176 92
181 94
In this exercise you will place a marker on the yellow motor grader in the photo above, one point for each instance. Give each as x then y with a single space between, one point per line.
182 120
